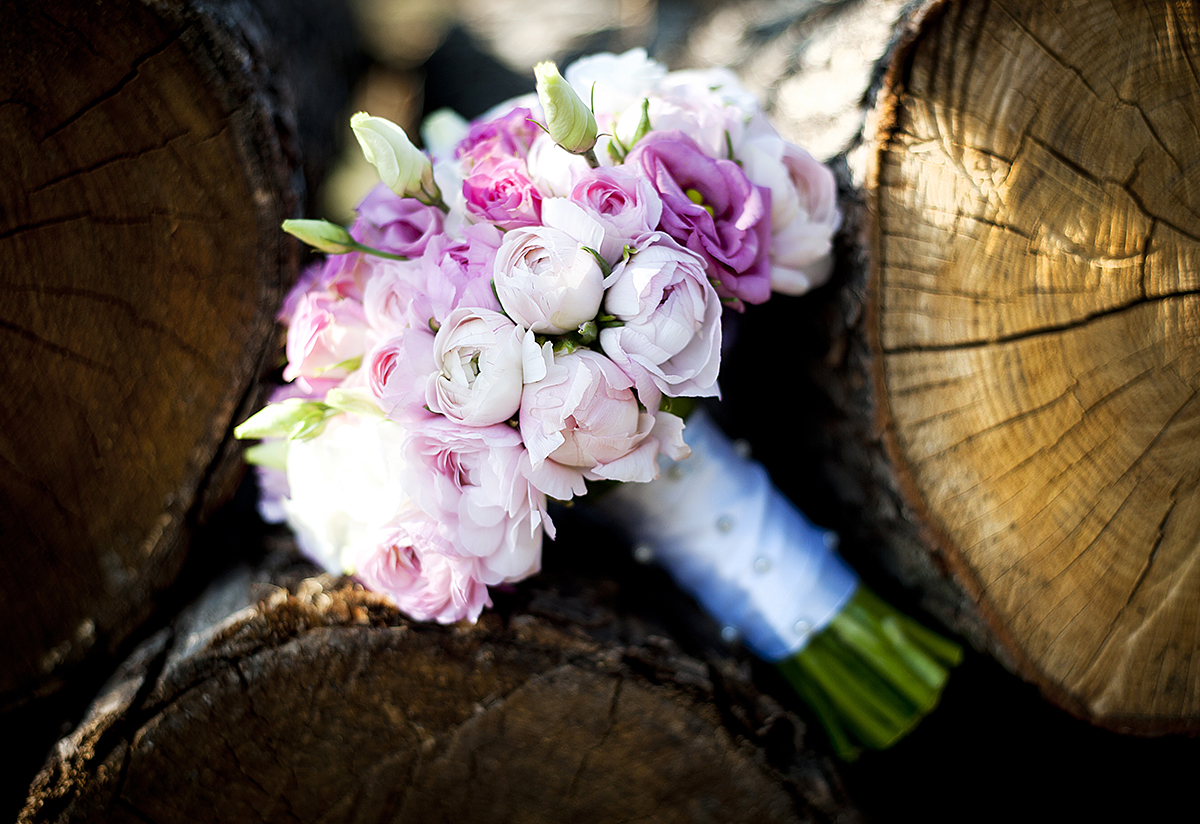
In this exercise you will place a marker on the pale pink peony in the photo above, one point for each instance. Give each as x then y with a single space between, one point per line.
398 371
472 480
804 211
581 421
412 562
669 340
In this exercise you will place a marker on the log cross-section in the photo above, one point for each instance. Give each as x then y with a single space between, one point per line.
1035 323
144 175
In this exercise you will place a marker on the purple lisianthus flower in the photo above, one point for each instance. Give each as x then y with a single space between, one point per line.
712 208
400 225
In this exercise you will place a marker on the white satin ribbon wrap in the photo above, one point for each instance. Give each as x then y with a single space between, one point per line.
736 544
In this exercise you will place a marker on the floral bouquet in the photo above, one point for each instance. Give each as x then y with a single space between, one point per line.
529 311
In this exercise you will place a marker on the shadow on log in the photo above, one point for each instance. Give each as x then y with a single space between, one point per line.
321 703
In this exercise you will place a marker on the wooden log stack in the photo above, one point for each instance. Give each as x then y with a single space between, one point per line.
1004 372
322 703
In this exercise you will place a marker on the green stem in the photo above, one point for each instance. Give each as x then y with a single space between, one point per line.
871 674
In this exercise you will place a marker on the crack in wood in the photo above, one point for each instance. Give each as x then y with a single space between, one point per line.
108 161
1041 331
61 351
172 38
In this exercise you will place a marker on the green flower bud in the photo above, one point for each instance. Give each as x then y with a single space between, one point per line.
358 401
294 418
401 165
321 234
569 121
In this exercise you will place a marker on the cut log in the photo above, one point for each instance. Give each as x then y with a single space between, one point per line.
1010 343
1029 354
323 704
149 157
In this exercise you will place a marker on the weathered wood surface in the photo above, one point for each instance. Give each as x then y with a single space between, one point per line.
322 703
150 151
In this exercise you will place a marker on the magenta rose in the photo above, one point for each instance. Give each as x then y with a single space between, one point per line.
502 193
712 208
509 135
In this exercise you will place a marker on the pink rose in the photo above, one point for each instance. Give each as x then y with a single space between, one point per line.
477 363
412 562
623 201
670 337
326 336
710 207
398 371
501 192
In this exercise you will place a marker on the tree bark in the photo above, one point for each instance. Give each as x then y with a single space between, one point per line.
1020 371
321 703
149 157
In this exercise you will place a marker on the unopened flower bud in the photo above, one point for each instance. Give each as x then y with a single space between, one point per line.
294 418
568 119
321 234
401 165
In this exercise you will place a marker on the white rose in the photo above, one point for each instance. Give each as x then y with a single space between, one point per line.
478 380
614 82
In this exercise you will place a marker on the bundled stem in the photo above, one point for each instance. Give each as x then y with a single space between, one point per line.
871 674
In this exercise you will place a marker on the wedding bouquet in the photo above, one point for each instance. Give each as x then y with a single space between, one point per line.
530 309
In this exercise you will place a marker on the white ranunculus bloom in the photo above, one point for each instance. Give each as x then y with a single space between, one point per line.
478 380
546 280
343 486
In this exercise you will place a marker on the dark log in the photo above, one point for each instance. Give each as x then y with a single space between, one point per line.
322 703
150 152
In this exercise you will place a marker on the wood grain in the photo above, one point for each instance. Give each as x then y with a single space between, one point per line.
1034 315
140 267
